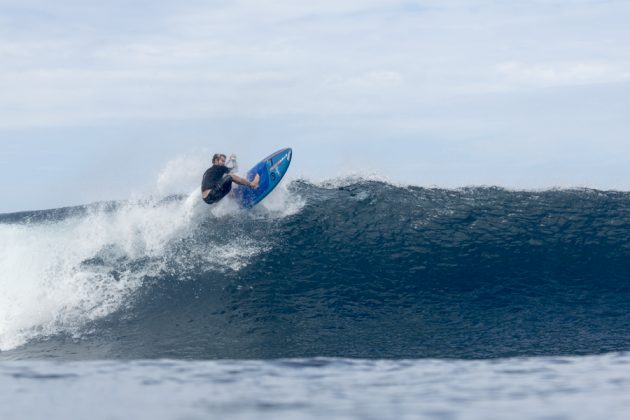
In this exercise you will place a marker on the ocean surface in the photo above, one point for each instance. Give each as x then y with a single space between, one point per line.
352 298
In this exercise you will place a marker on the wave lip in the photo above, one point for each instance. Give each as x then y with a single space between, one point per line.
362 269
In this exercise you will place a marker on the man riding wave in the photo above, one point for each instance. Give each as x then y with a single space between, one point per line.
217 180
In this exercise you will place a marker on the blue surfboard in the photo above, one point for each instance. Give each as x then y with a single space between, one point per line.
271 170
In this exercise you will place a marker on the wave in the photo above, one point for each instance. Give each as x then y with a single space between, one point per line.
358 268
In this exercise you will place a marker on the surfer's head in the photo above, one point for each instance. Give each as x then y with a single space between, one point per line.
218 159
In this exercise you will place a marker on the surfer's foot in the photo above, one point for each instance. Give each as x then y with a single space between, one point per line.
254 183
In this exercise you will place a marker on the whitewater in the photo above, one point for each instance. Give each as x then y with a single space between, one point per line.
63 268
351 298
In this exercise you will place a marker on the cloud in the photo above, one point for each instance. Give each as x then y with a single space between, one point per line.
562 74
372 80
70 64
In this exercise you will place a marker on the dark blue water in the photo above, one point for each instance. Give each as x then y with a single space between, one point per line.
361 270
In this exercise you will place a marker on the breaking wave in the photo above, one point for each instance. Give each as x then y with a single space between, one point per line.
354 268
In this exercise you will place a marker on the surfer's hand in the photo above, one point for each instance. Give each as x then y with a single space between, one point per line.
254 184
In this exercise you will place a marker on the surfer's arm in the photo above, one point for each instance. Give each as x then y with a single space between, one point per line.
231 164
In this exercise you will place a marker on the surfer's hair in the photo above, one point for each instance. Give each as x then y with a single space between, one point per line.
217 156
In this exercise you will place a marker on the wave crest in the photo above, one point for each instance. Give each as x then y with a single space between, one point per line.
355 269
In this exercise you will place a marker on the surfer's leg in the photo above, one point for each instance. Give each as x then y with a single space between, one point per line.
243 181
221 190
225 186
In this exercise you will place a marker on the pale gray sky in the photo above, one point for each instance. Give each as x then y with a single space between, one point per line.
98 100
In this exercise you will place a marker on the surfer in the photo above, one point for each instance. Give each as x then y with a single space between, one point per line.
217 180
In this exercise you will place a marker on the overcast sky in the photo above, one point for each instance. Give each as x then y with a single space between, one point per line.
108 100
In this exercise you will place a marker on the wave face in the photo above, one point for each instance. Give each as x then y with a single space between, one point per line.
353 269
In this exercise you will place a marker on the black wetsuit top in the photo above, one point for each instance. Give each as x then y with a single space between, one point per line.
212 176
215 179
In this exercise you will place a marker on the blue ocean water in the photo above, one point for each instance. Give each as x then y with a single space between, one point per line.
352 299
587 387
